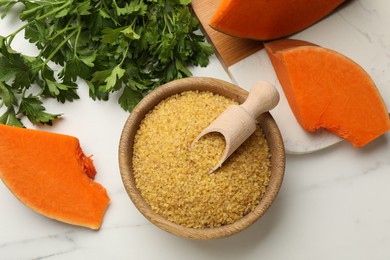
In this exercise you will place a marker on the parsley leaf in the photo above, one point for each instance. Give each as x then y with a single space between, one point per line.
32 107
9 118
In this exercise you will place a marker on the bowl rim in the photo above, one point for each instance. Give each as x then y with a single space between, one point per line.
218 86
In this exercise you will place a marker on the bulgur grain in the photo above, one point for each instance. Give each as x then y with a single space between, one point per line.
207 151
176 185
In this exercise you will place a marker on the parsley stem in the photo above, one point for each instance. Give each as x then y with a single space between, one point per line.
62 31
58 48
56 10
124 55
77 39
12 35
40 6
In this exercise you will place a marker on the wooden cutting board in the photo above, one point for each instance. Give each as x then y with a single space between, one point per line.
229 50
237 55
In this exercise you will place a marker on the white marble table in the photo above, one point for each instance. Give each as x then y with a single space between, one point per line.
334 203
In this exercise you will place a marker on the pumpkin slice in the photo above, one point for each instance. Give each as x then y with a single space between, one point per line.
327 90
50 174
266 20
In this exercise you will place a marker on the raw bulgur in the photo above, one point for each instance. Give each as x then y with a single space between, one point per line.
207 151
176 185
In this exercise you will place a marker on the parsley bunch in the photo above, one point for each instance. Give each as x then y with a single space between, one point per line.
131 46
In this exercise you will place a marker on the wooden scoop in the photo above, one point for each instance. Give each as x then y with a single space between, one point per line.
238 122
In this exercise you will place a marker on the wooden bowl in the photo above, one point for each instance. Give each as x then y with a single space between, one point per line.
229 90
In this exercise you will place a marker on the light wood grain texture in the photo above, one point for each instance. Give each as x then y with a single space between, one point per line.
229 90
238 122
229 49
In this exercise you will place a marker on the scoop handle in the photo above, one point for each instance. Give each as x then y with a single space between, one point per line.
262 97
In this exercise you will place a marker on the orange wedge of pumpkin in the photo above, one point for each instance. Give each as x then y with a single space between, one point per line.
49 173
327 90
269 19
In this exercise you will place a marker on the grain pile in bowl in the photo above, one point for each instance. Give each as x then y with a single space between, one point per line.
176 184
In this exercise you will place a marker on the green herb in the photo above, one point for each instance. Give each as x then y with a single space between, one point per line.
131 46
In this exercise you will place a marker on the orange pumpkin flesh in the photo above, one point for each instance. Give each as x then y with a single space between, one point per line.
50 174
266 20
328 90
